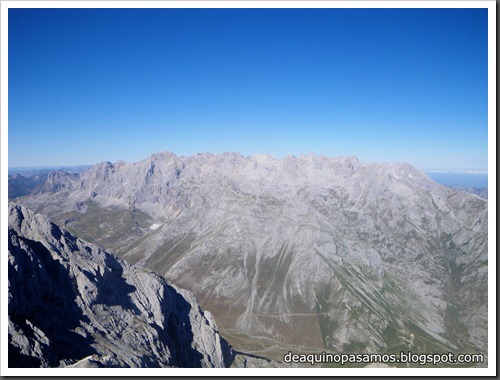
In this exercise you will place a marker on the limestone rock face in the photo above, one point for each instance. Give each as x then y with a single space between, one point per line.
310 251
73 304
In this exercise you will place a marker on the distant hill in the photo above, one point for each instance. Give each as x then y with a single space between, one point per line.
24 184
23 181
482 192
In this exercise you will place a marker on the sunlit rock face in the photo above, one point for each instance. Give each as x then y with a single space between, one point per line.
308 251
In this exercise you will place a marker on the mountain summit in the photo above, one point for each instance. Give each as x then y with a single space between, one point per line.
73 304
307 252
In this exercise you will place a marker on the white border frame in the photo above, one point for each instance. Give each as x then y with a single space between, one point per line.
492 355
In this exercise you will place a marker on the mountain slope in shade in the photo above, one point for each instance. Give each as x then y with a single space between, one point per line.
310 251
23 184
73 304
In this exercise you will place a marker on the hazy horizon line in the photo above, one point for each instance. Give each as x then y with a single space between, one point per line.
425 168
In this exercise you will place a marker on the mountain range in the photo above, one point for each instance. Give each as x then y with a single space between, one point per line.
304 253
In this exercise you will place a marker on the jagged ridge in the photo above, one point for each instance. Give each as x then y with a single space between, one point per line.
308 251
72 303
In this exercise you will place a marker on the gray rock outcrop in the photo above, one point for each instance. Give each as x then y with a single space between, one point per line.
73 304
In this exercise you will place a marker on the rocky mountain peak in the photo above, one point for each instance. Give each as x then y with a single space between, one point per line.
358 254
89 308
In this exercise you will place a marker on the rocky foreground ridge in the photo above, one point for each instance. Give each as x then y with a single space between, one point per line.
73 304
307 252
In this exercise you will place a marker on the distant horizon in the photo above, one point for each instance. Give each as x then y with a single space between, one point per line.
479 171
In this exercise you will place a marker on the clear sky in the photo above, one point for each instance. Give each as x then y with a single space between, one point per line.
386 85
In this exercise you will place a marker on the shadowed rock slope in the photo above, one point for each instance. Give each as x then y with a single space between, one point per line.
73 304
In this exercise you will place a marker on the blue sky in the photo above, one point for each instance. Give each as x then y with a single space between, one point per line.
386 85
